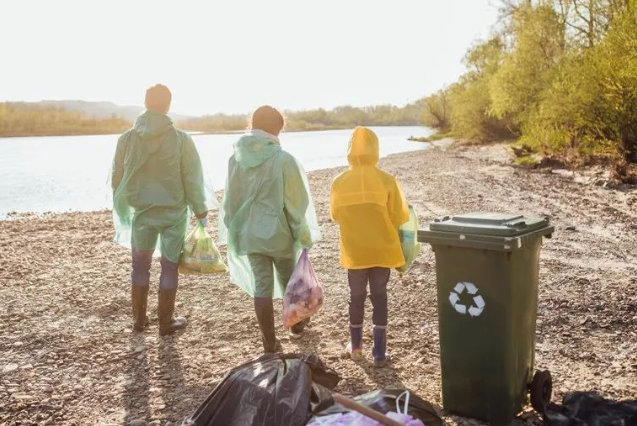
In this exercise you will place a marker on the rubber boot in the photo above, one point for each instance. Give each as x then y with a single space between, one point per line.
297 329
354 347
139 295
379 352
265 316
165 310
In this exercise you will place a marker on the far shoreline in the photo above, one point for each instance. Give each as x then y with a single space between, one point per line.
220 132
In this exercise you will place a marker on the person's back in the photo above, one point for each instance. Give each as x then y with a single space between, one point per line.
368 206
268 216
258 173
156 157
156 177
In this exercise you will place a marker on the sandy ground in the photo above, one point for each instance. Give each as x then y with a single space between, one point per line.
68 356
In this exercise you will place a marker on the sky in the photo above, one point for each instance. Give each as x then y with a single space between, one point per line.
232 55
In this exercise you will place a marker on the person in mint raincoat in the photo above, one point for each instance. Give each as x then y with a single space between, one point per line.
268 217
157 180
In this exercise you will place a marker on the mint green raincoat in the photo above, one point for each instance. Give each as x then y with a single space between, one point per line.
266 209
156 177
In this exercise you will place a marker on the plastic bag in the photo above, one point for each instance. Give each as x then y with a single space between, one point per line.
590 408
304 295
358 419
200 254
408 232
270 391
381 401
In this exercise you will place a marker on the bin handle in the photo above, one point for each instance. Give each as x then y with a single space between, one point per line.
516 224
406 406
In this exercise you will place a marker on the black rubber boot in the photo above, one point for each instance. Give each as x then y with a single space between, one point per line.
299 327
265 316
165 310
140 301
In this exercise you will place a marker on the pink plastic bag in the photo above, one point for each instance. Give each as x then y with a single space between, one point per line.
357 419
354 418
304 295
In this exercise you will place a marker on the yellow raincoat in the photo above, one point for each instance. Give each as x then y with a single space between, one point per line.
368 206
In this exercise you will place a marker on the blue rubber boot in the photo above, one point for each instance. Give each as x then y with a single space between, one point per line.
379 351
355 342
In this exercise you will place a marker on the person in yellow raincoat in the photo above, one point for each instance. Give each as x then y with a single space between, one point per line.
369 206
157 180
268 217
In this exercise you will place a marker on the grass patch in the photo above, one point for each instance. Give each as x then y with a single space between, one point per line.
435 137
527 161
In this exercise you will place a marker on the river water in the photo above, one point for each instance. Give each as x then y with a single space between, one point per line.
70 173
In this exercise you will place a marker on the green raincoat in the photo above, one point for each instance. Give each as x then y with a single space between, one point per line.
156 177
267 208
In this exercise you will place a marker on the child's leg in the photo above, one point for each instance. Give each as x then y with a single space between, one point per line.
378 278
357 279
262 270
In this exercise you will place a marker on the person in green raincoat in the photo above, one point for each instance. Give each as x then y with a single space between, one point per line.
157 180
268 217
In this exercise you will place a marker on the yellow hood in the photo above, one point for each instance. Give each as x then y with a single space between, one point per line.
368 206
363 148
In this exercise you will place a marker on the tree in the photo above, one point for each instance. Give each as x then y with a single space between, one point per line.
436 110
529 67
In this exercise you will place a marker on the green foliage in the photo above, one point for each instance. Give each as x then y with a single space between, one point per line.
529 66
591 105
526 161
436 110
435 137
562 74
19 119
470 100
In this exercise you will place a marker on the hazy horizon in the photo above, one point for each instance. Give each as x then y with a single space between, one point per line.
230 56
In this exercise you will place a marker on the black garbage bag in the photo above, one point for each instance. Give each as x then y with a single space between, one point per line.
272 390
385 400
591 409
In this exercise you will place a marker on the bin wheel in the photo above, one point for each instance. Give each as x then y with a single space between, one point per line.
541 389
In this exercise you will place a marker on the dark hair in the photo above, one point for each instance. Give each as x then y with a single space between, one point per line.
268 119
158 98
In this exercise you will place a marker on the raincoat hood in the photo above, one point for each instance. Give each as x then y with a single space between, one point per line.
267 210
152 124
363 148
255 147
369 206
157 180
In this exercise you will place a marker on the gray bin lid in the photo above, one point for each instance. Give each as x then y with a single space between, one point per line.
489 224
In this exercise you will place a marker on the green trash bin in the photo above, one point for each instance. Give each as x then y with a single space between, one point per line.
487 267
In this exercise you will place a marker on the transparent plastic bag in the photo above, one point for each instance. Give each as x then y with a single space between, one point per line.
200 254
304 294
411 410
408 232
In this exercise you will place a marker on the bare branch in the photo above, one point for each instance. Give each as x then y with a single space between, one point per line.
578 13
575 27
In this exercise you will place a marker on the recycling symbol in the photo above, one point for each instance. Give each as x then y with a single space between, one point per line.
478 302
